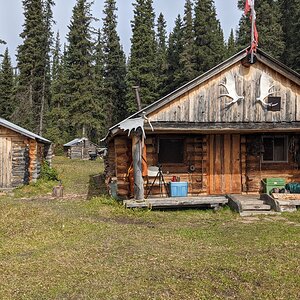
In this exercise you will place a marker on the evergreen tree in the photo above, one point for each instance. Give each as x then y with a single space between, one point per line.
231 48
161 56
268 23
32 60
290 22
114 67
79 72
6 87
209 39
187 56
99 86
58 115
174 52
142 63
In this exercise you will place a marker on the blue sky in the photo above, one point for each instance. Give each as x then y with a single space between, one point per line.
11 18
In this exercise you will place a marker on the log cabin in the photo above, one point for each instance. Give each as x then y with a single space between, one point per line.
21 155
223 132
81 148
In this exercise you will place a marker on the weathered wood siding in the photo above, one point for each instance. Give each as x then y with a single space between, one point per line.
5 162
81 150
225 169
203 103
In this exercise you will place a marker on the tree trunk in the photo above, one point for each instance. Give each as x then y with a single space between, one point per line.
137 165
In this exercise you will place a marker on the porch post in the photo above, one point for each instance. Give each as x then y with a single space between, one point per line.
137 165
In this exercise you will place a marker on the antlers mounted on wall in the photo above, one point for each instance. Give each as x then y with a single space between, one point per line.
230 86
264 88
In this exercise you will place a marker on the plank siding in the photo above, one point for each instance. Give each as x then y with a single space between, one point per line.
203 103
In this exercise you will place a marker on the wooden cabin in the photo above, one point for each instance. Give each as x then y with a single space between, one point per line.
223 133
81 148
21 155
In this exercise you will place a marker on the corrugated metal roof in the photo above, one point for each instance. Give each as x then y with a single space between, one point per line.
74 142
23 131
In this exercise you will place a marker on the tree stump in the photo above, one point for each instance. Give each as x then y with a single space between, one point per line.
58 191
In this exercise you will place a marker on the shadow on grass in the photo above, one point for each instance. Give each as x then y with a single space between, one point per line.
97 186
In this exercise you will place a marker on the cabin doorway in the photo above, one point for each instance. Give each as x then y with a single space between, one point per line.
224 164
5 162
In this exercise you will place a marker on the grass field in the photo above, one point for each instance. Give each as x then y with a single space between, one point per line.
94 249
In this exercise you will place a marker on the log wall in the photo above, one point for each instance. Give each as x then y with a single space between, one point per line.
196 155
26 157
194 168
256 170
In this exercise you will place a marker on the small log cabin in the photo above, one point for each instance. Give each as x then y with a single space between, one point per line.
223 132
21 155
80 148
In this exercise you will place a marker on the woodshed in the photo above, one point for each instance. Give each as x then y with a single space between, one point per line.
21 155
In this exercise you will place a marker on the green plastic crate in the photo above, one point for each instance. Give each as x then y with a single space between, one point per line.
271 183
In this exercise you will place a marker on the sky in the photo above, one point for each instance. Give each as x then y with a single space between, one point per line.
11 18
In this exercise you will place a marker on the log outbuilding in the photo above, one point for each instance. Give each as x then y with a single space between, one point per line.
223 133
21 155
81 148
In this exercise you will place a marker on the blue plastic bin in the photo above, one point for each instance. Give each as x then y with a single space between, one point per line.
178 189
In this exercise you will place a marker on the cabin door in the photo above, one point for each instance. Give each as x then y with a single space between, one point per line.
224 164
5 162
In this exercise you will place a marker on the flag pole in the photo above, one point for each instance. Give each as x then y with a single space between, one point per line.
252 30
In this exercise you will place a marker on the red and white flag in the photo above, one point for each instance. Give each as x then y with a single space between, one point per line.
248 6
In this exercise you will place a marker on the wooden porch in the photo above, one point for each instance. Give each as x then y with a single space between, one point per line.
178 202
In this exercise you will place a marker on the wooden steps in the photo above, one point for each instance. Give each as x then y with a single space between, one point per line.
286 202
249 205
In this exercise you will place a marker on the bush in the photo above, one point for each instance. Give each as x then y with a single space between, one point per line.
48 173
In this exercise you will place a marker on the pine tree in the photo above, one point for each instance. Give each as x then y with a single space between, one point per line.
48 41
231 48
6 87
32 60
268 22
114 67
161 56
209 39
174 52
99 93
187 56
57 126
290 22
142 63
79 72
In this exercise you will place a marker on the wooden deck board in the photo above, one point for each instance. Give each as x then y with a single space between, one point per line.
177 202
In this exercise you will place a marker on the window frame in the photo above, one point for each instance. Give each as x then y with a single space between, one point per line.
285 137
171 138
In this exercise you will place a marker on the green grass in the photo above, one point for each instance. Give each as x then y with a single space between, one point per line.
95 249
76 177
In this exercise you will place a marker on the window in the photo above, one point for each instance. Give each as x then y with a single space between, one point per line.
276 103
171 150
275 149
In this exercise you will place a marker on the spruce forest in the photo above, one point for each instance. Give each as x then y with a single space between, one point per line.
86 85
